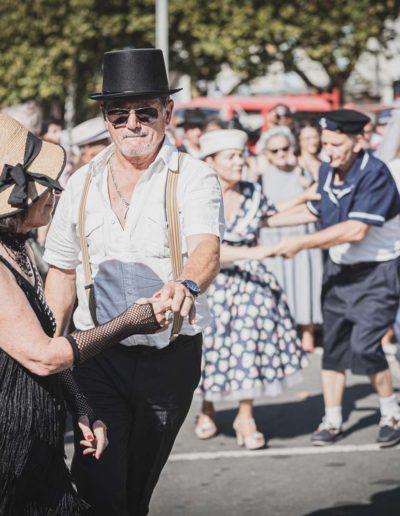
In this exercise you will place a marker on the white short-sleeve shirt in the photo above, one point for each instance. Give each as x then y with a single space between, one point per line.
135 261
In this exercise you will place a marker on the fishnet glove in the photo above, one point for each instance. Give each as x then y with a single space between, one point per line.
77 403
137 319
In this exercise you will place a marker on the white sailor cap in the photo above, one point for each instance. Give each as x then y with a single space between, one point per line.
212 142
90 131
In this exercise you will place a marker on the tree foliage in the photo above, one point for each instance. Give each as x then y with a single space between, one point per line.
249 35
47 46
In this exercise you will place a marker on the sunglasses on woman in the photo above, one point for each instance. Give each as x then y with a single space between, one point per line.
144 115
275 151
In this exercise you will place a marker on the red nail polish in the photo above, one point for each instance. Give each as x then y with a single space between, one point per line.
157 296
89 437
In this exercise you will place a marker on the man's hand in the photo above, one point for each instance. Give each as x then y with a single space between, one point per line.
182 299
288 247
161 309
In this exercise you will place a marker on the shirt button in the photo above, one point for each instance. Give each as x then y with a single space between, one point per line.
129 292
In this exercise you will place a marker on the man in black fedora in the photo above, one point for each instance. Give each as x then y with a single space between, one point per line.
142 389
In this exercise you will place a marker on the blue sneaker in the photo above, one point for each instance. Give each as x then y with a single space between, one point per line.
325 434
389 431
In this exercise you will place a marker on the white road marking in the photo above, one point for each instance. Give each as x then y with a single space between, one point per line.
277 452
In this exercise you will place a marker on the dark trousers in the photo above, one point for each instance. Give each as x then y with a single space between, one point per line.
359 304
143 396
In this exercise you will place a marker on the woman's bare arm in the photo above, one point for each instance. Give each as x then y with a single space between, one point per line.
60 292
22 337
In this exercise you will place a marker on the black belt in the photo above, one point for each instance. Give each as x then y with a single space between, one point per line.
142 349
359 266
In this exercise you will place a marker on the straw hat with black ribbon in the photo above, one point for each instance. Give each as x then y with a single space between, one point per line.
28 167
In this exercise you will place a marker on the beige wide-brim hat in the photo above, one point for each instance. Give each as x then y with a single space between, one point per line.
223 139
27 165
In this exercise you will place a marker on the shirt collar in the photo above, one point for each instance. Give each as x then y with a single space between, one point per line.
163 157
358 164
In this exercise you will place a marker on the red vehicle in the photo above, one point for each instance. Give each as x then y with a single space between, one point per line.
252 111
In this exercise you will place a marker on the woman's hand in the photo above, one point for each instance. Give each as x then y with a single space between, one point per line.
162 310
289 246
260 252
310 194
95 438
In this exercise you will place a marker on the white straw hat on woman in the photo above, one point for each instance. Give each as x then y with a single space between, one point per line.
28 167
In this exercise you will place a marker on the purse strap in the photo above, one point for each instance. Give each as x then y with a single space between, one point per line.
174 233
87 271
174 237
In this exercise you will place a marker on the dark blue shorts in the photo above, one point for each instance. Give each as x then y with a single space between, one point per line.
359 304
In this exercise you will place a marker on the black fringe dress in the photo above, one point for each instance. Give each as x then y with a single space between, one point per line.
34 479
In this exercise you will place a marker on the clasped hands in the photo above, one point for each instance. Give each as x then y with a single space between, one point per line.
172 298
288 247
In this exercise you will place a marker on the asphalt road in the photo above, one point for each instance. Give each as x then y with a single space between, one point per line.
289 477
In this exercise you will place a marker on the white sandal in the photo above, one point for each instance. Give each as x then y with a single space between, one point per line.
205 427
253 441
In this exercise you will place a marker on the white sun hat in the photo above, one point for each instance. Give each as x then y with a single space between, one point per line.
223 139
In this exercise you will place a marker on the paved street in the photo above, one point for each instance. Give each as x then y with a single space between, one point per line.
289 478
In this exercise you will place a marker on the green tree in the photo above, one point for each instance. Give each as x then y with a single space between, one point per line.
51 50
250 35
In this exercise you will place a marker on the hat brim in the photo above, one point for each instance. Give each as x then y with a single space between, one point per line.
50 161
132 94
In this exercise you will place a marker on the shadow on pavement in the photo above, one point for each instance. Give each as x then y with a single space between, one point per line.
385 503
296 418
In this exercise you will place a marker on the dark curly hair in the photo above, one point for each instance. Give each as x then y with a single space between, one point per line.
302 125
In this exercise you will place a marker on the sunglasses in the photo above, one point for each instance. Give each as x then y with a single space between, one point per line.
144 115
275 151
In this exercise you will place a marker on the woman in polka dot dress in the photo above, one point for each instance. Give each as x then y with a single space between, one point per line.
251 349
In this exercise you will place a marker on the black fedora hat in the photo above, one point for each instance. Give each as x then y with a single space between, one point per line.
134 73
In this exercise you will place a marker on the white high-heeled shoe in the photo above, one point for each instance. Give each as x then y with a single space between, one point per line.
253 441
205 427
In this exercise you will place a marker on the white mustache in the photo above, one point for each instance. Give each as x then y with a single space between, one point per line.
133 135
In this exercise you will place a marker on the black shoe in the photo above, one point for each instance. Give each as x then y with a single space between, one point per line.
325 434
389 432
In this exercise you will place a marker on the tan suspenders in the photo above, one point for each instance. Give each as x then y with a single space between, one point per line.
174 237
174 233
87 271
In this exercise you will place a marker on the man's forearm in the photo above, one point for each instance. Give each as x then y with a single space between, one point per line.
341 233
292 217
203 263
60 293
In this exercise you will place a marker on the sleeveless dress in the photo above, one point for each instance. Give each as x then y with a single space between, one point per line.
301 276
251 348
34 479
